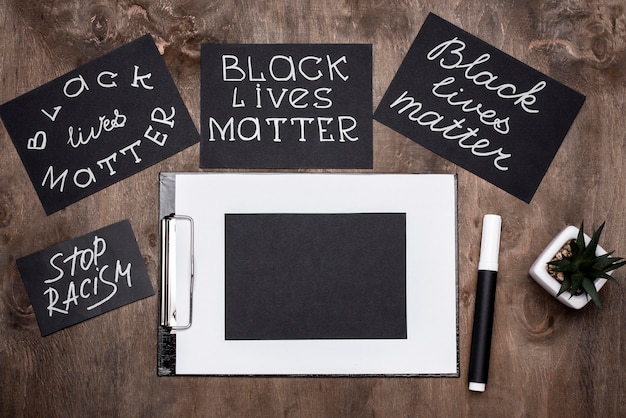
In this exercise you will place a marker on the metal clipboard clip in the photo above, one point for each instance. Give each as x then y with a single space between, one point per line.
170 271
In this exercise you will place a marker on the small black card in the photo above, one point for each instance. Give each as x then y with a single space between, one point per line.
479 107
85 277
286 106
315 276
99 124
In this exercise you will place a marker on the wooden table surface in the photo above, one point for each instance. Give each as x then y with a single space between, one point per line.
547 360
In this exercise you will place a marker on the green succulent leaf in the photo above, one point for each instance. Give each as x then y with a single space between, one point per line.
605 261
608 265
583 266
596 274
565 265
590 288
566 284
578 246
577 281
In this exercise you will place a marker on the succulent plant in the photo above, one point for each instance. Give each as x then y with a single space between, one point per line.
581 266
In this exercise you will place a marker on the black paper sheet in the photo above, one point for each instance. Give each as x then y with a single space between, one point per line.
85 277
315 276
99 124
286 106
479 107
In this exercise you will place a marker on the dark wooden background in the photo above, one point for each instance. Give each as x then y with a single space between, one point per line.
547 360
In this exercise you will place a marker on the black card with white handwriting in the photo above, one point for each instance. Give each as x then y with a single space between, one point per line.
85 277
479 107
286 106
99 124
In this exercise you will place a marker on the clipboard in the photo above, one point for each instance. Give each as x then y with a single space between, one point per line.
308 274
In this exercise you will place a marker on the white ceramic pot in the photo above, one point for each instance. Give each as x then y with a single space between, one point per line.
539 272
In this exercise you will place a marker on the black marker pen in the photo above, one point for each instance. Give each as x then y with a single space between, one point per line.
485 298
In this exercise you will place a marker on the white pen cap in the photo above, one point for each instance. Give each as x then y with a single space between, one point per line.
490 243
477 387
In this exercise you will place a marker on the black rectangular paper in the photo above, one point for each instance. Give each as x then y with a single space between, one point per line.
286 106
479 107
315 276
85 277
99 124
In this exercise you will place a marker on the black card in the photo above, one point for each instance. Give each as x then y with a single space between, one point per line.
99 124
315 276
479 108
286 106
85 277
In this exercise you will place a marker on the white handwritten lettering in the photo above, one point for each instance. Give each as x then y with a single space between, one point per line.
105 124
58 269
107 161
54 181
82 86
455 60
432 120
284 68
54 115
37 142
110 84
141 79
131 148
250 128
76 86
298 98
86 182
89 278
236 103
84 177
487 116
158 115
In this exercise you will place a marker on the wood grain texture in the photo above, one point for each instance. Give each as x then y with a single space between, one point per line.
546 360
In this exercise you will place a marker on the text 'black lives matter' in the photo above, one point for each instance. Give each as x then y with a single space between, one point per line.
99 124
85 277
286 106
479 107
